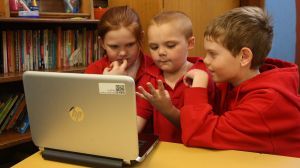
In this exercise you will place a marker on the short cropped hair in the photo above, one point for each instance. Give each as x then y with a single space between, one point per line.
243 27
179 19
121 16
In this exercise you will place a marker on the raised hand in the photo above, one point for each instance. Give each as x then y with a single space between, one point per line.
116 68
160 99
196 78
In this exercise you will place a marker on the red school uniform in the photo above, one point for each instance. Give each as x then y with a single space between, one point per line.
98 67
162 126
262 114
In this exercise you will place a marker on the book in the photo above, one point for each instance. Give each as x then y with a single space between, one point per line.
20 120
58 50
11 113
4 48
11 101
1 54
17 51
18 112
23 50
5 99
1 105
22 128
12 56
8 47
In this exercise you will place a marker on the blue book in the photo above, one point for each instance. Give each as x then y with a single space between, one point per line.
24 125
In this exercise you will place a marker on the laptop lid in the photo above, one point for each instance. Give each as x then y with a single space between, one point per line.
84 113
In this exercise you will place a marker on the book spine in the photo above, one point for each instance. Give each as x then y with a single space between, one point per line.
11 113
24 125
58 48
18 112
7 108
4 48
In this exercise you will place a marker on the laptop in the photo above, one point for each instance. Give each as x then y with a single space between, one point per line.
74 116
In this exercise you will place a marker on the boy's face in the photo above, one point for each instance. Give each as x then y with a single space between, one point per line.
168 47
121 44
223 66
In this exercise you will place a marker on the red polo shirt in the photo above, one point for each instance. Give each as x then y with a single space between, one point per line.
162 126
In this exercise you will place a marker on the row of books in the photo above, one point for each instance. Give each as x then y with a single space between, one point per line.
47 49
13 114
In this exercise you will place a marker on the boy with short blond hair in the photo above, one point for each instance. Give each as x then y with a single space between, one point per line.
257 103
170 37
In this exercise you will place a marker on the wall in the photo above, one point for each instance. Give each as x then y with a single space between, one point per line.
284 20
201 13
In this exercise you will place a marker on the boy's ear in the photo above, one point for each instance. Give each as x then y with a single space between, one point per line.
191 42
246 56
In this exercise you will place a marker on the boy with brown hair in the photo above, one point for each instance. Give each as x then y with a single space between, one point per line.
257 103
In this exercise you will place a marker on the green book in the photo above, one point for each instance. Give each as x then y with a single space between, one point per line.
3 101
7 107
11 113
1 106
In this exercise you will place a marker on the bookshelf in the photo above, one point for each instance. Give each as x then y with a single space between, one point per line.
52 17
12 138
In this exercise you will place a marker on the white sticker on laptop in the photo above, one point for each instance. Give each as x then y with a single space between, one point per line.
112 88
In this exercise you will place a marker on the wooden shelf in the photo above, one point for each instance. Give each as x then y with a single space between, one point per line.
11 138
47 20
12 77
56 15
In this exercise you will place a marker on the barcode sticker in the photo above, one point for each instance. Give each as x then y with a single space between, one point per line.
112 88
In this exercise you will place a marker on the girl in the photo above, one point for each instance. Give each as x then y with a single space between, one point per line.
121 36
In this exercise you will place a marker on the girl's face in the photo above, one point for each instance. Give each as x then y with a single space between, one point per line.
121 44
223 66
168 46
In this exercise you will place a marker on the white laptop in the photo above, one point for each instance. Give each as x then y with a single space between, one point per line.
73 116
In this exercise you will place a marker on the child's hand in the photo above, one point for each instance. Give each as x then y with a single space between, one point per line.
115 68
160 99
196 78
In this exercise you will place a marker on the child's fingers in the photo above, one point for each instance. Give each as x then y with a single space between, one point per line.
152 89
184 80
145 94
140 95
114 64
106 70
161 87
187 81
124 64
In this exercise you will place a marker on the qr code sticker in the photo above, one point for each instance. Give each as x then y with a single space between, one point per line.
120 89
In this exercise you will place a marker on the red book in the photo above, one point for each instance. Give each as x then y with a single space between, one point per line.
58 48
8 50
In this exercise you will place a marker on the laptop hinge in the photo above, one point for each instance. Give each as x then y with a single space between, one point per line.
81 159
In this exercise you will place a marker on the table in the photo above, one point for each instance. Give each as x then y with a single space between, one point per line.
175 155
